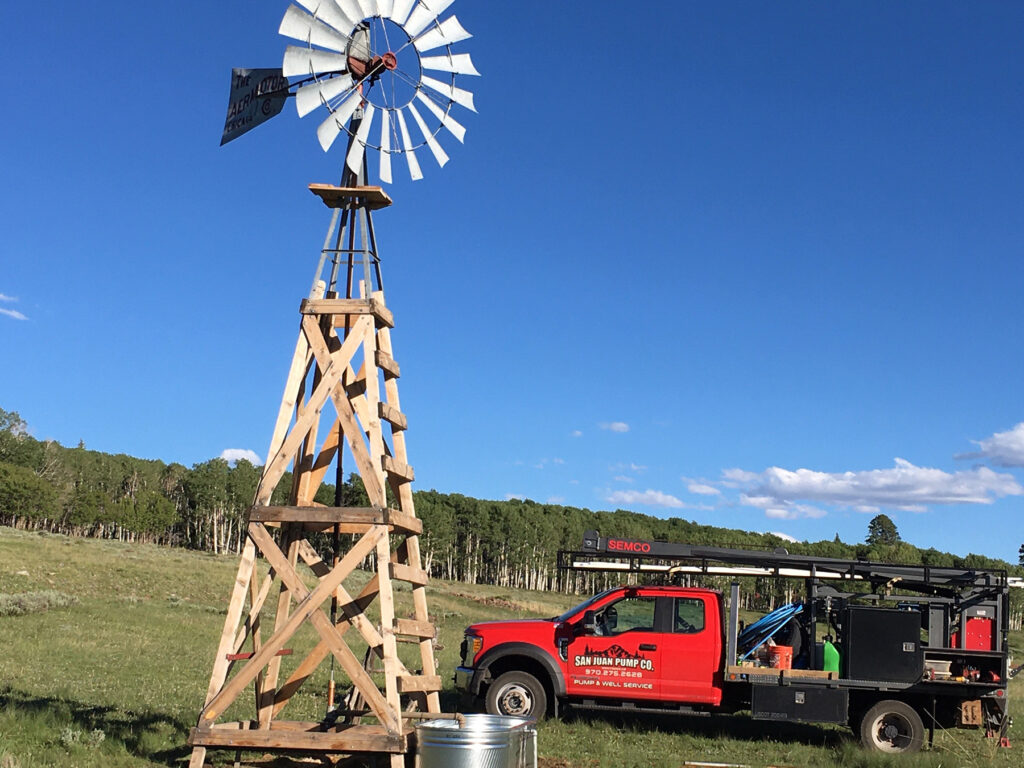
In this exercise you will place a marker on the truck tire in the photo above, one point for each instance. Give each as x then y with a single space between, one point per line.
517 694
893 727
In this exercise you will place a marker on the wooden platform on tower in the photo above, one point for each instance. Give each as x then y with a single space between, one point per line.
316 585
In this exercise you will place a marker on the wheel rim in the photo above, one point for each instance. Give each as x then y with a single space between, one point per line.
892 732
515 699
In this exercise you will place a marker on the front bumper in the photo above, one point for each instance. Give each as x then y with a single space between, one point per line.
464 679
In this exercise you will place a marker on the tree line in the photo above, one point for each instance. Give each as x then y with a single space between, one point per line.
79 492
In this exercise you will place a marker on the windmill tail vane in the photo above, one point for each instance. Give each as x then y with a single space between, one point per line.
360 59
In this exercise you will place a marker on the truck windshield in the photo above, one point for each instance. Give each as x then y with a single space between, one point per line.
582 606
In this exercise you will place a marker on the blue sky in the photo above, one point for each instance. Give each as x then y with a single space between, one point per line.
756 264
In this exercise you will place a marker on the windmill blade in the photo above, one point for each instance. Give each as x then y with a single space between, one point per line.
368 8
312 96
385 147
351 9
414 164
385 8
328 11
447 121
357 151
439 153
302 62
335 122
448 32
299 25
457 63
401 10
426 12
459 96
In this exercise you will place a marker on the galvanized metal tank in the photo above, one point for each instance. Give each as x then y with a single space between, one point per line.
484 741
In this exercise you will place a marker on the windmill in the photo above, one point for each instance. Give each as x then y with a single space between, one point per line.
362 64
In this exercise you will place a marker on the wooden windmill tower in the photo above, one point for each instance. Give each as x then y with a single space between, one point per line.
292 610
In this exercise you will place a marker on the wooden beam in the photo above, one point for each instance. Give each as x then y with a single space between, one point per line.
335 307
413 628
393 416
371 198
408 573
419 683
397 469
355 738
387 364
332 515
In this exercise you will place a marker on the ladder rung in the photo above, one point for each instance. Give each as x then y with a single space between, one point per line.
419 683
415 576
388 364
397 469
393 416
412 628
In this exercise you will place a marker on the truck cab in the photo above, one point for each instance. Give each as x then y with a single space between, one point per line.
656 646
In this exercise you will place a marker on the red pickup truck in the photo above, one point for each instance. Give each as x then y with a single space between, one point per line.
619 644
679 649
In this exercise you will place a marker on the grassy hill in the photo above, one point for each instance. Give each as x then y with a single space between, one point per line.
107 648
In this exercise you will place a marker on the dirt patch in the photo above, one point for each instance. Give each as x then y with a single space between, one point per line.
559 762
494 602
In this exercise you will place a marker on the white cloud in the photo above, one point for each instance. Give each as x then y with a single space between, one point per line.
576 433
904 487
702 489
13 313
782 510
648 498
231 455
631 467
614 426
784 536
1004 449
514 497
622 479
555 500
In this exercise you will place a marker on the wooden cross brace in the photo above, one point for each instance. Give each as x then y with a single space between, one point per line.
309 608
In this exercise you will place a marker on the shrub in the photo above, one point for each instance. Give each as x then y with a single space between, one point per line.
34 602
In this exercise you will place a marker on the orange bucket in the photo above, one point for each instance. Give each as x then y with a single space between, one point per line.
780 657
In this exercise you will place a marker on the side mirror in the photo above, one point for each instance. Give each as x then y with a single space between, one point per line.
589 625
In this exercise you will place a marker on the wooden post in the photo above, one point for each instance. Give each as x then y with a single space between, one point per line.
343 371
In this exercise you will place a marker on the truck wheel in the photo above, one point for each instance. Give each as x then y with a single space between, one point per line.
518 694
893 727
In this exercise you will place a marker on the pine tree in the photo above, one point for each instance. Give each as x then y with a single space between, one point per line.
882 530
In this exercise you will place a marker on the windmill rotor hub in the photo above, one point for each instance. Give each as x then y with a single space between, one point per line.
390 61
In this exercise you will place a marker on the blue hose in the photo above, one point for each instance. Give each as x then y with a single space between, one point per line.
764 628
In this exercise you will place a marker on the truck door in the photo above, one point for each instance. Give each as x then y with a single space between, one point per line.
622 659
692 652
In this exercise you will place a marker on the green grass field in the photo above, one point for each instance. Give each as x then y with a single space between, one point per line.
106 663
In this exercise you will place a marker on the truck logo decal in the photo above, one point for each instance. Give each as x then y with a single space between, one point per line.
615 656
621 545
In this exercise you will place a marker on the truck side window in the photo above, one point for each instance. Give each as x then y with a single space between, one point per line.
689 618
630 613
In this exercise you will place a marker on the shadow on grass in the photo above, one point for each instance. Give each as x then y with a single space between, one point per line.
146 735
155 737
736 727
